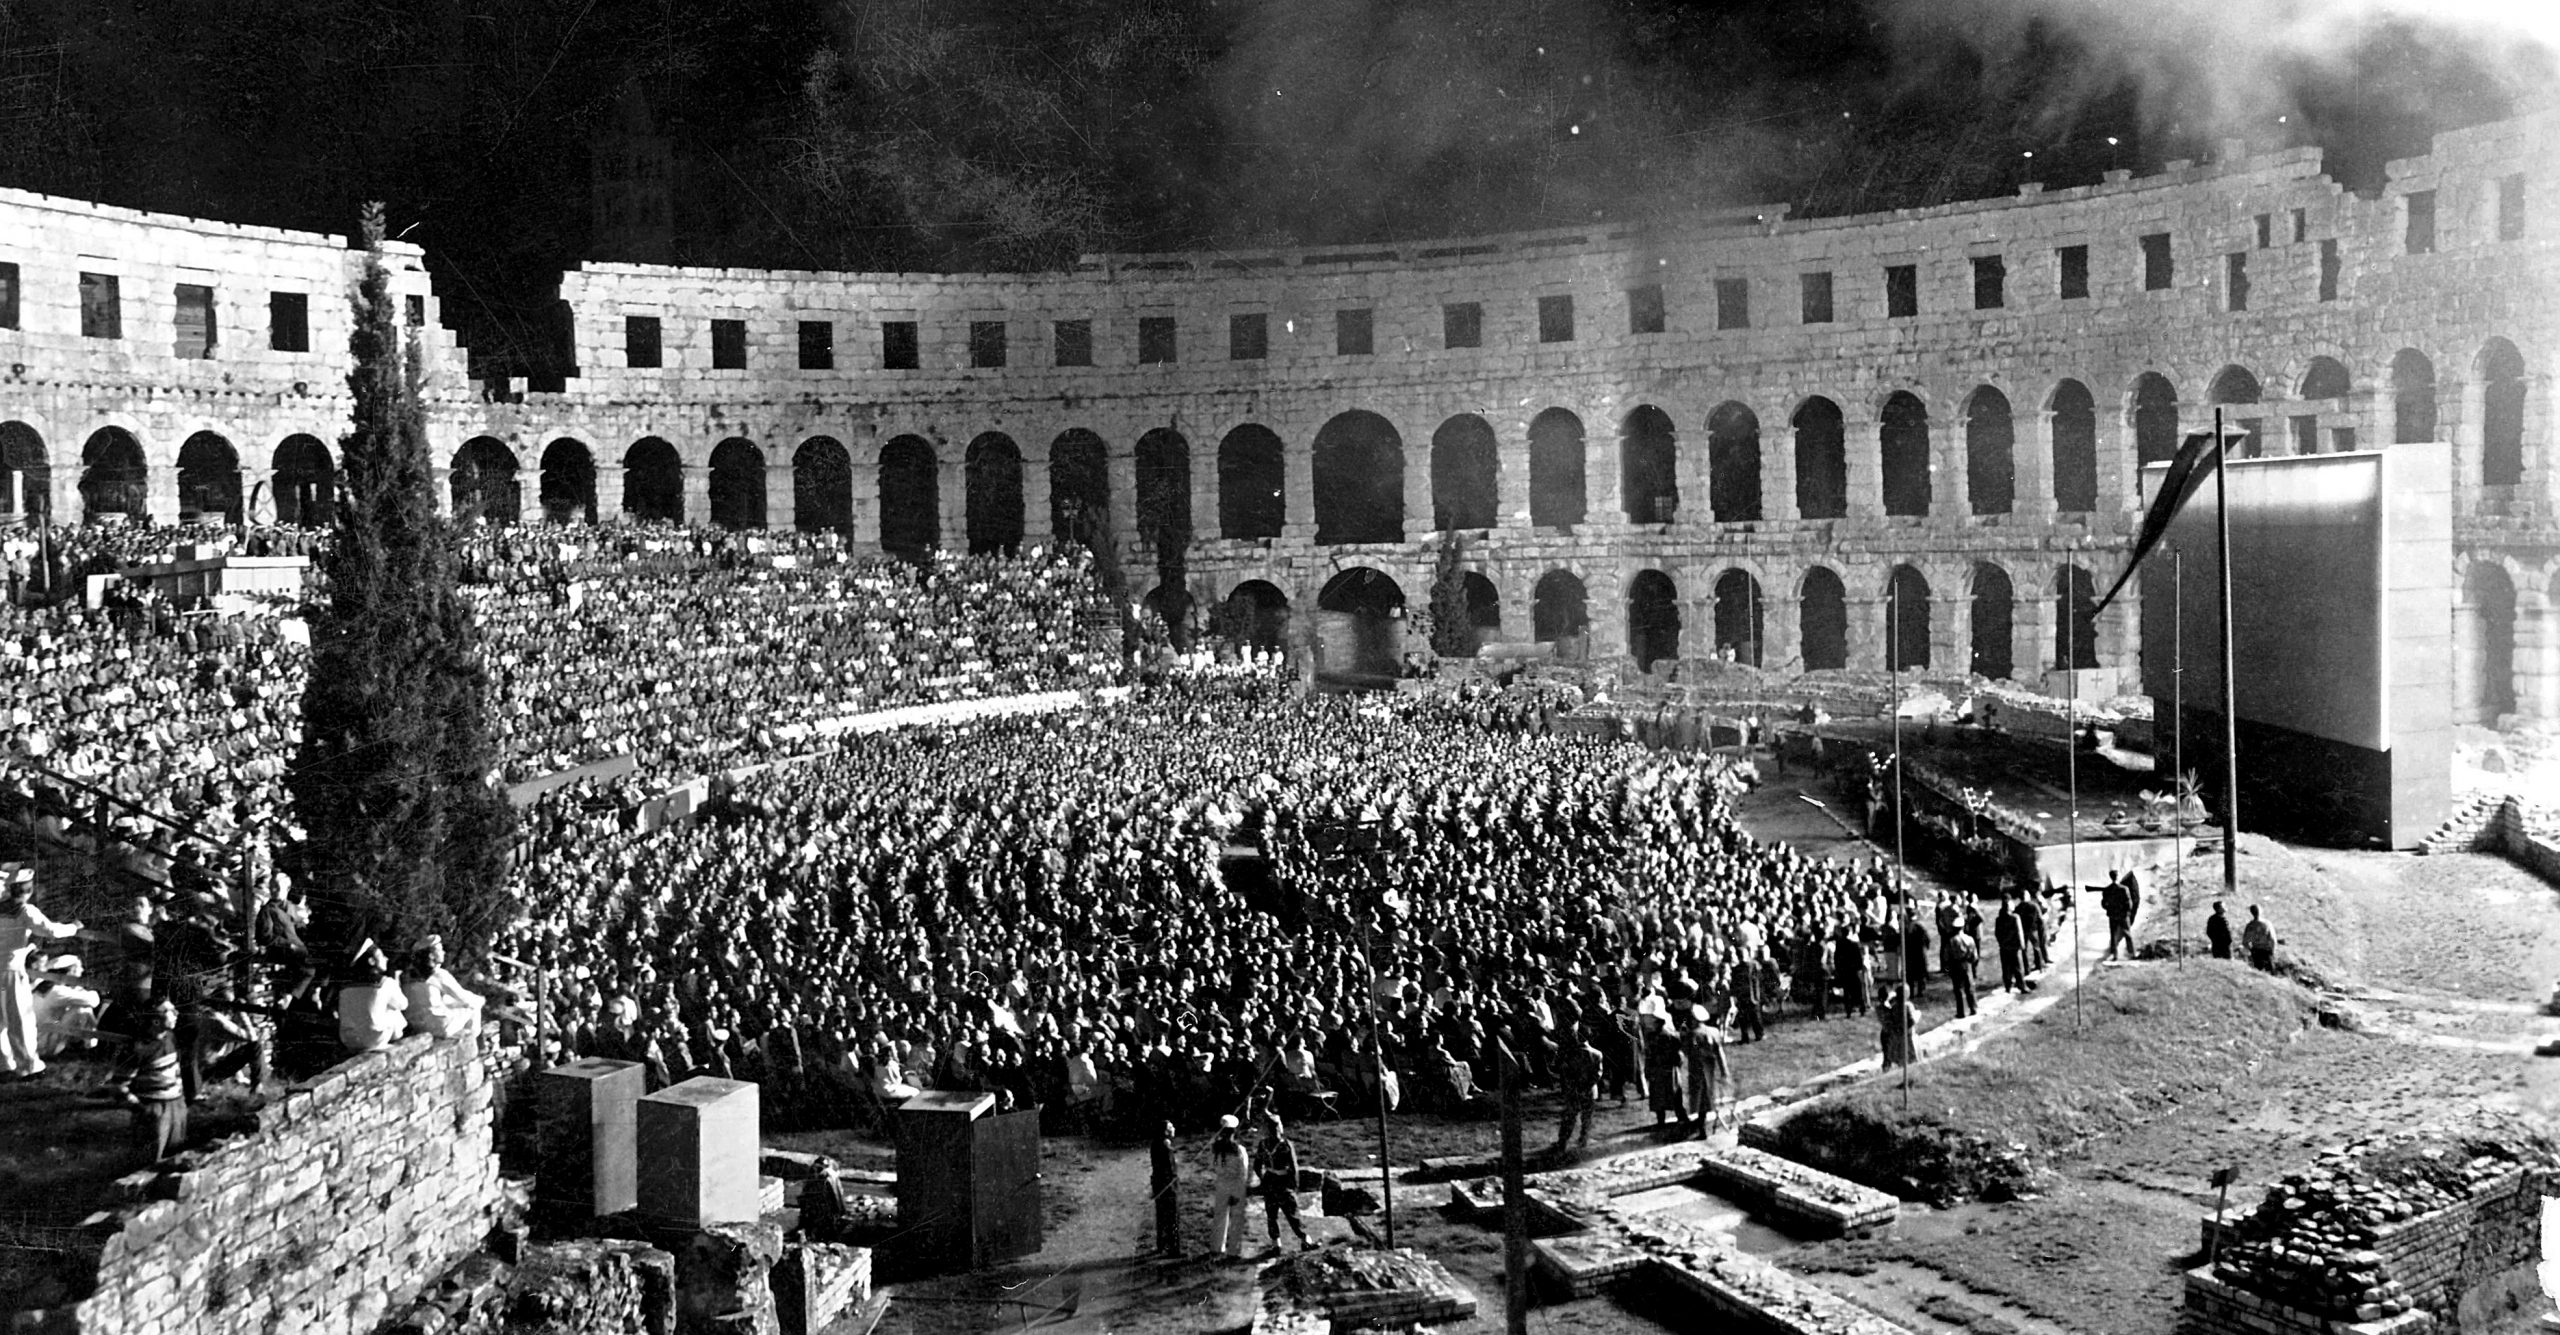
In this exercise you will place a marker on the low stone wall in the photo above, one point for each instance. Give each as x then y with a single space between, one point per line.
358 1188
592 1286
1348 1289
2216 1308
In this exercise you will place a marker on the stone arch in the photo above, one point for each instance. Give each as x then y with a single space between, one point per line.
2154 413
305 481
209 478
2235 386
1257 613
1359 480
1653 619
1906 620
2075 618
653 482
1364 622
1558 490
2413 397
991 490
484 484
822 486
2324 378
1253 479
1172 605
2072 413
1902 442
1822 460
1994 622
1738 616
1822 620
1464 466
1559 607
1484 607
1649 465
1164 489
1079 487
568 482
737 484
2502 388
1733 463
910 497
1990 453
2485 645
26 474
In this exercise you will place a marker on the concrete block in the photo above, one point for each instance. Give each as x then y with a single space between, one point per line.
698 1146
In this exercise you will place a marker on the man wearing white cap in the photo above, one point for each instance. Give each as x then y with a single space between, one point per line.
1231 1172
22 924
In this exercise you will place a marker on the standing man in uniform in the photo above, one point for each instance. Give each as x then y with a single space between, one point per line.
1280 1186
1578 1076
1230 1172
2117 902
2012 940
1957 955
1160 1183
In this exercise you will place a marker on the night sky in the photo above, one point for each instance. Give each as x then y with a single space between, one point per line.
937 134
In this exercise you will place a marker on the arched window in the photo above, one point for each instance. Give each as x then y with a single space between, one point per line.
1903 439
1906 621
653 482
1256 613
1079 488
1738 616
1653 619
737 484
1359 480
568 482
910 497
822 487
1733 464
2325 378
2413 397
484 482
1559 607
209 478
1822 460
1463 469
1370 641
1822 620
1556 470
2155 420
1164 489
2234 386
1252 481
2501 414
2074 416
992 491
1649 466
1990 459
2485 622
1994 621
305 482
26 474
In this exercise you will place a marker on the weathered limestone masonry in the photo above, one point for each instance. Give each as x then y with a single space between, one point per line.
1966 389
358 1189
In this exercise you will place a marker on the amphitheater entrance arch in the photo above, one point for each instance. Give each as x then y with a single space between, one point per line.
1171 604
2502 386
1822 460
2413 397
1464 468
1559 609
1653 619
26 474
910 497
1558 484
1733 464
822 486
2485 646
1822 620
1484 610
653 482
992 491
1649 466
2155 419
1256 613
1990 456
2075 618
1164 490
113 478
1079 488
2072 414
1902 439
1359 480
568 482
1738 616
1994 622
305 481
1253 480
209 479
1906 621
737 484
484 482
1360 623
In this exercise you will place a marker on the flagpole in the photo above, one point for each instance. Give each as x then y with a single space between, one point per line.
2071 762
2178 736
1901 882
2230 710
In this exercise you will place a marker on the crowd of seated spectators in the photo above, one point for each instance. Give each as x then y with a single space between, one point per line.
1036 907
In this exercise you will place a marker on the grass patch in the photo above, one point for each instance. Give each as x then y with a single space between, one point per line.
1987 1125
2313 917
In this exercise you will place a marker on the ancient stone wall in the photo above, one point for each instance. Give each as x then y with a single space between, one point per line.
358 1189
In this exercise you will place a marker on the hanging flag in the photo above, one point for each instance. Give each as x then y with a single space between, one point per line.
2186 472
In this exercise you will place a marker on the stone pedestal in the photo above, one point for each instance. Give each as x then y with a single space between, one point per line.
589 1112
698 1144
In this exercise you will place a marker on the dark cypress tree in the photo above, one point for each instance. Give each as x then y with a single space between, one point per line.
1453 627
405 833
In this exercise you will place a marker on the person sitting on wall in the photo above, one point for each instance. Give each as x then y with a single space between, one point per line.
372 1011
438 1003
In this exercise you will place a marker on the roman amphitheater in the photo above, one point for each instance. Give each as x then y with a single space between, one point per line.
1733 431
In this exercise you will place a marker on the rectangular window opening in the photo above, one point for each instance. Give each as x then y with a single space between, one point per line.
2421 237
1072 342
1644 308
2301 225
817 345
1733 303
2306 435
2329 269
1990 283
195 321
986 344
414 307
900 347
1352 333
2159 269
101 313
2074 270
2511 207
2342 439
1155 339
289 321
1817 297
8 295
2266 230
640 341
1462 324
1555 319
1901 291
2235 279
1248 337
728 345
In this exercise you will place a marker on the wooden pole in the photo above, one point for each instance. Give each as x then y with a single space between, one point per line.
2230 706
1515 1203
2178 736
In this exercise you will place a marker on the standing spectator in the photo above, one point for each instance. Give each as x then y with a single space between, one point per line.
1849 968
1662 1072
2260 941
1280 1186
1915 958
1578 1074
822 1204
1746 1000
2031 930
1957 955
1230 1171
22 924
159 1095
2217 932
2117 902
2012 941
1161 1181
1897 1025
1705 1045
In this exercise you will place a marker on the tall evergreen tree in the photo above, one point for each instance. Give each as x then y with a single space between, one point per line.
1453 626
406 834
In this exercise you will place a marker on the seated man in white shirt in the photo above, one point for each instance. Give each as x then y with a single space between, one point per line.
372 1009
